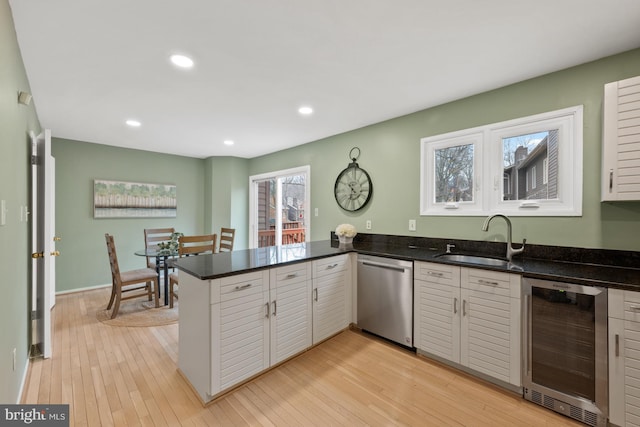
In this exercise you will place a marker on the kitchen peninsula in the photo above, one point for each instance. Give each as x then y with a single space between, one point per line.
246 311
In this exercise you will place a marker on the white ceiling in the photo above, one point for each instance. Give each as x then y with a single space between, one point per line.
92 64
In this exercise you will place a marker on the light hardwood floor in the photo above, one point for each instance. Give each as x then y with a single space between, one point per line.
127 377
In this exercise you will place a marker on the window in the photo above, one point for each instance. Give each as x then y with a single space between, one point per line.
278 207
454 174
454 162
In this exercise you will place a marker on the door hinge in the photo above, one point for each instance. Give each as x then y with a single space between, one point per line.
34 160
34 314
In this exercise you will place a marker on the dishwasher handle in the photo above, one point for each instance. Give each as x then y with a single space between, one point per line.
381 265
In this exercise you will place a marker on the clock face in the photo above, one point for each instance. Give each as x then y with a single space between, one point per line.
353 188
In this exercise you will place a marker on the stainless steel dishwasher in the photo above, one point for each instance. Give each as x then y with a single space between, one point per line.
385 298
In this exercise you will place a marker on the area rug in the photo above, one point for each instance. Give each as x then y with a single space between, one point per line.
140 313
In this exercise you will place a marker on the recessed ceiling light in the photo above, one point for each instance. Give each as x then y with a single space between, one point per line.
133 123
228 142
182 61
305 111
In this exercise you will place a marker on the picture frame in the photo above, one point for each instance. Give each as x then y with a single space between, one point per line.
122 199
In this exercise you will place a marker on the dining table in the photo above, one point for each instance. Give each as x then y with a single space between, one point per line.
162 257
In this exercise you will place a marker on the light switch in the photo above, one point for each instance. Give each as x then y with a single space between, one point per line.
412 225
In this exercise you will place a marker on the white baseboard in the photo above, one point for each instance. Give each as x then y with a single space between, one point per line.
88 288
23 381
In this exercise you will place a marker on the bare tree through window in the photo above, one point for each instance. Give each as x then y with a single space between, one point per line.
454 174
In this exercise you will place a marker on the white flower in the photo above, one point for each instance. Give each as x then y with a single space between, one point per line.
347 230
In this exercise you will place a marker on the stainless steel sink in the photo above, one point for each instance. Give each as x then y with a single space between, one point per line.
474 259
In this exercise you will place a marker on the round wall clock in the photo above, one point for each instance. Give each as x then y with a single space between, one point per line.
353 188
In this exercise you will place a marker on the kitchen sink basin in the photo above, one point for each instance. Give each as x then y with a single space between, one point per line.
474 259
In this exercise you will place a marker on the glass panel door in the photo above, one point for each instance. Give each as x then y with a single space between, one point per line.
278 208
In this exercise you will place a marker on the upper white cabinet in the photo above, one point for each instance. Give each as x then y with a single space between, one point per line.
470 317
621 141
331 296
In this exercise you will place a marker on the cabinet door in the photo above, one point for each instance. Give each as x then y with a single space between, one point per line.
491 324
240 330
331 297
486 340
624 372
620 141
437 310
290 296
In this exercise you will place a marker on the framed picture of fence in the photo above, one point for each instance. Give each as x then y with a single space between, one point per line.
118 199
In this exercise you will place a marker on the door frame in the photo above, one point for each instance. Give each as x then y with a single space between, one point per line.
253 200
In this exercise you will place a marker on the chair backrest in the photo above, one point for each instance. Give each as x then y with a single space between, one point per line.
113 258
227 236
197 244
153 236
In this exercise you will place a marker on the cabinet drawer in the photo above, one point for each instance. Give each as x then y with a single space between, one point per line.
292 273
241 285
624 304
326 266
439 273
494 282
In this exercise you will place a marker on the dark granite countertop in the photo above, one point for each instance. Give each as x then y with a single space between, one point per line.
576 267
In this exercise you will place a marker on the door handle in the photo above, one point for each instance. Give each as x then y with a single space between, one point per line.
275 308
37 255
617 345
57 239
315 298
55 253
455 306
464 307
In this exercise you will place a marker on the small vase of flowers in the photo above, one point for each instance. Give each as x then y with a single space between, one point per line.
346 233
170 247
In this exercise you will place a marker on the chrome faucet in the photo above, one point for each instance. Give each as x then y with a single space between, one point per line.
510 250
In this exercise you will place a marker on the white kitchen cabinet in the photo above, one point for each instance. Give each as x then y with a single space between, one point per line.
290 300
239 329
436 309
624 357
621 141
490 323
470 317
238 326
331 296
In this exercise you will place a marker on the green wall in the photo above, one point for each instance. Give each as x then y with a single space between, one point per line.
391 155
83 261
228 198
16 121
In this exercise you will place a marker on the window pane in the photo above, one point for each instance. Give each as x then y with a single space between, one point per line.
293 215
454 174
523 156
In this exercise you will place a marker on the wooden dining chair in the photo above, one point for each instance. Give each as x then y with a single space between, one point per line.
191 245
227 236
153 236
139 280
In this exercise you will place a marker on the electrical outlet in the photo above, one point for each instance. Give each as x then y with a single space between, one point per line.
368 226
412 225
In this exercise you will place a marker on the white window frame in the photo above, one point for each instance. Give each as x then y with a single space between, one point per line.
254 180
488 176
428 193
